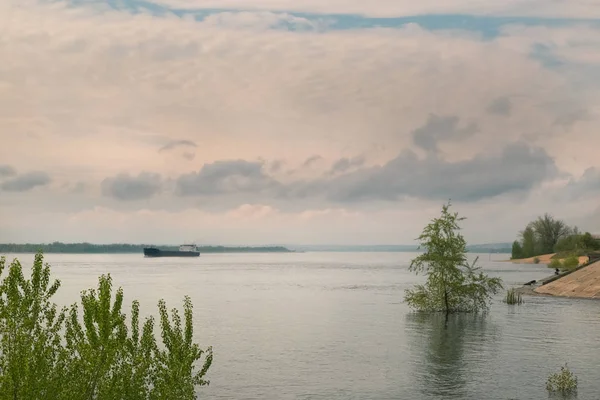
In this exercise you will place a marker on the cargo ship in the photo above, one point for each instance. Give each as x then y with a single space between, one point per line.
185 250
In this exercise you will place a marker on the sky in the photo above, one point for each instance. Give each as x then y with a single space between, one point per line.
301 122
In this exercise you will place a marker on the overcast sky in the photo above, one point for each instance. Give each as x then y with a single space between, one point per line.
302 122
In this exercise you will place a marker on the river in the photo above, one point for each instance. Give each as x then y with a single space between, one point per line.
334 326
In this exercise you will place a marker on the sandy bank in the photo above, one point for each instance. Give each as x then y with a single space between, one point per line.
583 283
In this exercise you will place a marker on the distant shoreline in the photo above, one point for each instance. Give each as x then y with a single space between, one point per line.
124 248
89 248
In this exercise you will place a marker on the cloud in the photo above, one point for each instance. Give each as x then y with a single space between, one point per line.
389 8
517 169
260 20
79 187
125 187
438 129
112 87
26 182
226 177
7 171
276 166
177 143
588 183
344 164
311 160
500 106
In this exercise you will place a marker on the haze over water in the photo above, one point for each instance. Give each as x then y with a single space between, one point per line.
334 326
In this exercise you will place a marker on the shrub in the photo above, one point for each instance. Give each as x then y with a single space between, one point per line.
513 297
571 262
47 353
555 263
563 382
536 260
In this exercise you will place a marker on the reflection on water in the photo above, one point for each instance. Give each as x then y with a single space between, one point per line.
440 341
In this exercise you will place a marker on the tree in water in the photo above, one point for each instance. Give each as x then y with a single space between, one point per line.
453 284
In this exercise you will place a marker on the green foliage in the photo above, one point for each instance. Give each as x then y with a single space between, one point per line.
589 242
571 262
563 382
564 254
517 250
513 297
530 247
577 244
47 353
569 244
542 235
549 231
555 263
536 260
453 285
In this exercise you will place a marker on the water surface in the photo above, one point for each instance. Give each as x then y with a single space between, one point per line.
334 326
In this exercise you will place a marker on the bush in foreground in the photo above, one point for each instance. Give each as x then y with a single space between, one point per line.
47 353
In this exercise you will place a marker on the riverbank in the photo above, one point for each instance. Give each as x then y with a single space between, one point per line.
582 283
544 259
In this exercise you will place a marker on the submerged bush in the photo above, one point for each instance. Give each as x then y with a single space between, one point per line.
47 353
563 382
513 297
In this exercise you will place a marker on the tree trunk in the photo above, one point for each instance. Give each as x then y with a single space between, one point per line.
447 306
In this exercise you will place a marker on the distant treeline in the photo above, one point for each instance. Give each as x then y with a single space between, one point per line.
547 235
90 248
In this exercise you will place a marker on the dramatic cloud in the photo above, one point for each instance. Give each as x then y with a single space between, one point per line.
439 129
312 160
500 106
177 143
130 188
517 169
344 164
226 177
588 183
26 182
229 109
6 171
276 166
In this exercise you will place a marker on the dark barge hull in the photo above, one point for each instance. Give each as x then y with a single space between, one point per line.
154 252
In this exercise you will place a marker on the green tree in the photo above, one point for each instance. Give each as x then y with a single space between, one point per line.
47 353
453 284
528 238
570 243
549 231
589 243
517 250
